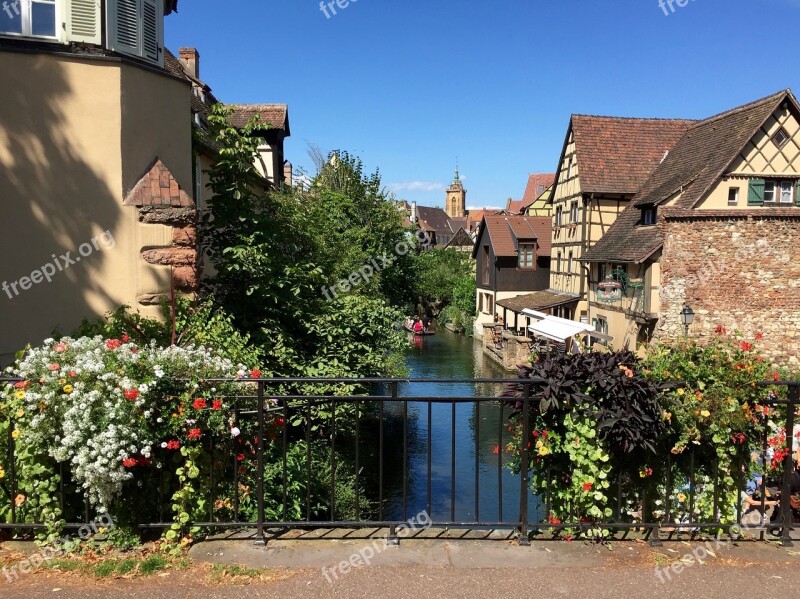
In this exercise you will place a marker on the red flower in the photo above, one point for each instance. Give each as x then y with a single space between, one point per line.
255 373
587 486
759 336
125 338
745 346
240 457
279 421
113 344
21 384
553 520
776 376
194 433
55 366
720 330
173 445
199 404
535 433
496 450
129 462
73 373
216 404
544 434
131 394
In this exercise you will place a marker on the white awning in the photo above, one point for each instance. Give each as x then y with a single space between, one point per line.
559 329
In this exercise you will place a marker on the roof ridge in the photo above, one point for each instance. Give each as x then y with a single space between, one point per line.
742 108
636 118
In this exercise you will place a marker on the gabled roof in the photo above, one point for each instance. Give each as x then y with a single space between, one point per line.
694 164
433 219
505 232
537 185
515 206
460 239
701 156
157 187
275 116
616 155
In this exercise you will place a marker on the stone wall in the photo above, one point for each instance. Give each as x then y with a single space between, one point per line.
738 270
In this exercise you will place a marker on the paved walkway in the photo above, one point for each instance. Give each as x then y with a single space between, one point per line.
456 568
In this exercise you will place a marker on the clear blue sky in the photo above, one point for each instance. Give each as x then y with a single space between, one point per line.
411 85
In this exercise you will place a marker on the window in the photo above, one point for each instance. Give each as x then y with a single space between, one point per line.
527 255
558 262
778 191
485 268
602 272
488 303
136 27
602 325
569 263
780 138
569 168
30 18
649 215
733 196
559 215
573 212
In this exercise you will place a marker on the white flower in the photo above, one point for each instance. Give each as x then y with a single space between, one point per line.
235 432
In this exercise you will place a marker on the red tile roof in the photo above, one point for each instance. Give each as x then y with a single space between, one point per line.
158 187
616 155
506 231
275 116
537 185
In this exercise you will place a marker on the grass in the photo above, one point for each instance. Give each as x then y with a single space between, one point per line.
137 566
221 573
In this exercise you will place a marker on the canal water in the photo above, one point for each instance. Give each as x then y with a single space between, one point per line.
477 429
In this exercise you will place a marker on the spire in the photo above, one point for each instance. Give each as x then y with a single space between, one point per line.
456 178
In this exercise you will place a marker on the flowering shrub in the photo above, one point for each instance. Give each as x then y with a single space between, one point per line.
97 405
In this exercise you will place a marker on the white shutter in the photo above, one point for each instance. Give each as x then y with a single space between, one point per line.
125 26
83 21
152 30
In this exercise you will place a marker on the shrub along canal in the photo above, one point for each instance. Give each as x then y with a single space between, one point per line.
450 356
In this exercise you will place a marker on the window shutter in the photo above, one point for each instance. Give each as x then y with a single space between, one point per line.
83 21
797 193
755 194
124 24
152 32
136 27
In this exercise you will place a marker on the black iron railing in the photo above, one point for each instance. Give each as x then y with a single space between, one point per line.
379 503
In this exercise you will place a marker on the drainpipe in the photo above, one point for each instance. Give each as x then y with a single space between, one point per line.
586 245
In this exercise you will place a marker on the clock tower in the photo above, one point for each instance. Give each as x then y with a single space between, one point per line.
456 203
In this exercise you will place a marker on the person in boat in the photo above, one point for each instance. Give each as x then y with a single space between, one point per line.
426 322
418 328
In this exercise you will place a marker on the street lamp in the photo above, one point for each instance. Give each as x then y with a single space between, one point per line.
687 318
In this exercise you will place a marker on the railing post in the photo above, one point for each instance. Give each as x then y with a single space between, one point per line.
523 491
260 460
788 468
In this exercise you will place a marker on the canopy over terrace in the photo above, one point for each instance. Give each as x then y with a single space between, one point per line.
536 301
561 330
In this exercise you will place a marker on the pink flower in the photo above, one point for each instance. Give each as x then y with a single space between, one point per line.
59 348
55 366
113 344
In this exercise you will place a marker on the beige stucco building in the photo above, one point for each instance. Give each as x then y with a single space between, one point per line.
99 174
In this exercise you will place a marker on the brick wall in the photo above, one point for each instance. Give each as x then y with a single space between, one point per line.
738 269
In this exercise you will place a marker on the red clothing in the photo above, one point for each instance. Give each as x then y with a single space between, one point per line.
418 327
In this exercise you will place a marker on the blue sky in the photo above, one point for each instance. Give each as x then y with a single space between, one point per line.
409 86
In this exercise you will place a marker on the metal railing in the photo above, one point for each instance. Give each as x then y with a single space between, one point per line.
379 503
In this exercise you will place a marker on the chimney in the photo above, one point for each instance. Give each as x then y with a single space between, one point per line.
413 212
287 173
190 58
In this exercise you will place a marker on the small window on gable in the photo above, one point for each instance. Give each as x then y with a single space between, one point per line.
733 196
649 215
780 138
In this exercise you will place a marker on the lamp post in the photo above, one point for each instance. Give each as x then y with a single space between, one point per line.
687 318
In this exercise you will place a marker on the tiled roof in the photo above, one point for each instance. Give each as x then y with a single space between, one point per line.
461 239
616 155
433 219
537 185
700 157
515 206
506 231
275 116
695 163
173 65
158 187
538 300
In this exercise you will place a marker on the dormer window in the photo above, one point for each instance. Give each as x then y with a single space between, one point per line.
649 215
28 18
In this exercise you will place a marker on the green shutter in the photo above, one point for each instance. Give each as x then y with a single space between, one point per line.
755 195
797 193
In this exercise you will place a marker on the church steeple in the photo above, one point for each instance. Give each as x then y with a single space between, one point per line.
456 202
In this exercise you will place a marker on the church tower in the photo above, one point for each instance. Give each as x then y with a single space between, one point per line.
456 204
